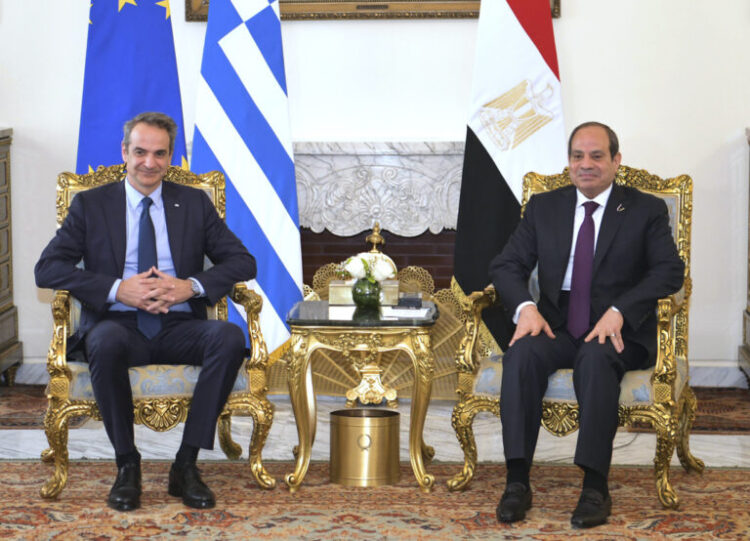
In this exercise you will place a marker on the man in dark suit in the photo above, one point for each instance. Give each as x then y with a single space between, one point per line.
144 293
605 255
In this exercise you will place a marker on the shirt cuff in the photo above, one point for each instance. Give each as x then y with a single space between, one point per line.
615 309
520 307
112 297
199 286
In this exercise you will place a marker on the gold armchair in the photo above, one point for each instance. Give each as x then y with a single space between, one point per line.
161 393
659 397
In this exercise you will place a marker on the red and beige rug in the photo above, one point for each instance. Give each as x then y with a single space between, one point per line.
713 506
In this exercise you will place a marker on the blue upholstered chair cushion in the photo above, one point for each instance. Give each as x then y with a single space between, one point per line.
148 381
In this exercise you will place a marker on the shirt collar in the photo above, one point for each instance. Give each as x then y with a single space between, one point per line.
602 198
135 197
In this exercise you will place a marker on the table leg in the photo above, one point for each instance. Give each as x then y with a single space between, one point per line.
424 368
428 452
312 407
299 382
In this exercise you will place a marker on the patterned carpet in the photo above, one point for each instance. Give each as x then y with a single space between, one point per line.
720 409
23 406
713 506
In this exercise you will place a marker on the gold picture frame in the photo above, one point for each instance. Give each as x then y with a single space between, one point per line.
296 10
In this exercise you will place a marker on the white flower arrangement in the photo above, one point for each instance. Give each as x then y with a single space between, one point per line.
381 270
356 267
372 267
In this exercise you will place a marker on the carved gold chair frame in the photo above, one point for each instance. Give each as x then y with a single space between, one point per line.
162 412
670 410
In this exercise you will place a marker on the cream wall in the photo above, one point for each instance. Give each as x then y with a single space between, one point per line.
672 77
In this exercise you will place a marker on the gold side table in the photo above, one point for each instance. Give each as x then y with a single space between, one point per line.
360 342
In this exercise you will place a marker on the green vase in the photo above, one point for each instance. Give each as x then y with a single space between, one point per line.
366 294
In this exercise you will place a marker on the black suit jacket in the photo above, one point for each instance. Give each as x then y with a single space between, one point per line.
94 232
635 259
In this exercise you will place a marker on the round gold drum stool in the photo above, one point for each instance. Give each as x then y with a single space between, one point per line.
365 447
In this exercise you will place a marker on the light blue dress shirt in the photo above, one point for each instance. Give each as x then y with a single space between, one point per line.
133 209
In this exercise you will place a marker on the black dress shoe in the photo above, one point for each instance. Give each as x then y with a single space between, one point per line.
185 482
515 502
126 492
592 510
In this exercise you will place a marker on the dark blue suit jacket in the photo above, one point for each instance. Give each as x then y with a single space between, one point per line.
635 261
94 232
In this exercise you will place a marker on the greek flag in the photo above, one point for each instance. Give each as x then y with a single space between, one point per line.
130 68
242 129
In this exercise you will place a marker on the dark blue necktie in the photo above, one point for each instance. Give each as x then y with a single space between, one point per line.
149 324
579 308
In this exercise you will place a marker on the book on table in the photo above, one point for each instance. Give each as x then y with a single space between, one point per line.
402 312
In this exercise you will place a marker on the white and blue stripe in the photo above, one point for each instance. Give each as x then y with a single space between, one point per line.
242 128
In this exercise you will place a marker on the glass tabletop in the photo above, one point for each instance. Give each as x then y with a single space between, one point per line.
320 313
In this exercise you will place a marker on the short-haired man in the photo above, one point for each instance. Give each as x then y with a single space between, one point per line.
605 255
144 293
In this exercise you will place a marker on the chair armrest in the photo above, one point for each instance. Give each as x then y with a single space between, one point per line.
472 307
665 369
57 364
252 304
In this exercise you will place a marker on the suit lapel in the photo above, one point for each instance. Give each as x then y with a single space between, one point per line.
114 214
614 214
175 215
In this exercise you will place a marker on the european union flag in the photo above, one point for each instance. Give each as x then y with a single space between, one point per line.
130 68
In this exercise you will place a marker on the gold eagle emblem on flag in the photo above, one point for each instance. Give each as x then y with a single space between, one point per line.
512 117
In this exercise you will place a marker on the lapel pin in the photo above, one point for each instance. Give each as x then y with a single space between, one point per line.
176 204
620 208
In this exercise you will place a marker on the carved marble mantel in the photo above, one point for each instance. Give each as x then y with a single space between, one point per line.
409 188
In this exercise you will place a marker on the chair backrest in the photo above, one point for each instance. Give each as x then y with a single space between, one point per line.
676 192
69 184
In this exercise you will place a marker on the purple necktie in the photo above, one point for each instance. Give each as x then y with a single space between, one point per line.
579 307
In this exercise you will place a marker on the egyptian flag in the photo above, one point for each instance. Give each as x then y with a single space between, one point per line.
515 126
